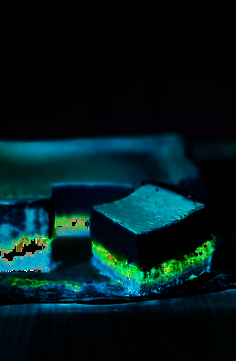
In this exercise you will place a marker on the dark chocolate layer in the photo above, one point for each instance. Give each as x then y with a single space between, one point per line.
72 198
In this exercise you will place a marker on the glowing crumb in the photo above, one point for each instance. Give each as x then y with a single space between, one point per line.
192 277
165 270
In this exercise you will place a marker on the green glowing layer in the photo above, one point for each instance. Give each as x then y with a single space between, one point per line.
65 222
24 240
36 283
163 271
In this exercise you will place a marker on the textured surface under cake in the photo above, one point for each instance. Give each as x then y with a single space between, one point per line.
151 225
141 288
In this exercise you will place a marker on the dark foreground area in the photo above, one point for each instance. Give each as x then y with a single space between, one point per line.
199 327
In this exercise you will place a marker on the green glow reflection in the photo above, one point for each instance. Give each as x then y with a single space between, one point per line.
36 283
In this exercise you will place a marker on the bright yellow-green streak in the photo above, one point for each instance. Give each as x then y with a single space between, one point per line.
26 283
165 270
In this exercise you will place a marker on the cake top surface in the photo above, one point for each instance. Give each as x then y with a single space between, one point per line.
148 208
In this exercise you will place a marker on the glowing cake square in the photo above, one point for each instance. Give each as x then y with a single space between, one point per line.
150 226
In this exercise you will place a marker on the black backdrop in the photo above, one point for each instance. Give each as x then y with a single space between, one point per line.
170 70
157 71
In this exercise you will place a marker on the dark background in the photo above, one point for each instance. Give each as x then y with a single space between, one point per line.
153 71
121 72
